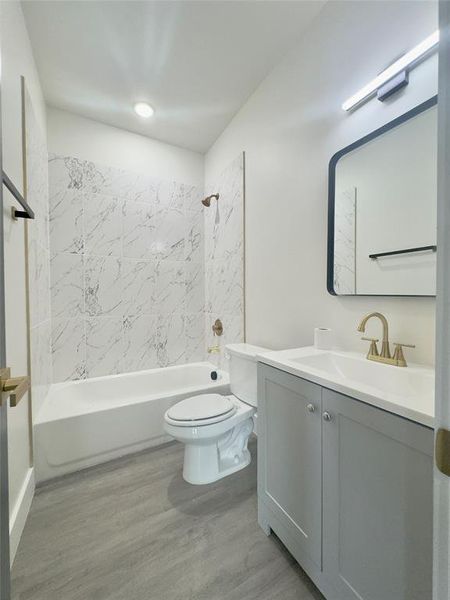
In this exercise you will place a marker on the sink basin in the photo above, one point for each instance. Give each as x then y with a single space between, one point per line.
407 391
395 380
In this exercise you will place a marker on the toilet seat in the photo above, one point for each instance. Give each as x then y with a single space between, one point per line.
205 409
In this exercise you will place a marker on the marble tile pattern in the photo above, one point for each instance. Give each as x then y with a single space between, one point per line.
127 270
38 256
345 242
224 258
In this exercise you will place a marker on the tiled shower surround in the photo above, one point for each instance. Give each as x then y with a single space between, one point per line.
128 270
224 257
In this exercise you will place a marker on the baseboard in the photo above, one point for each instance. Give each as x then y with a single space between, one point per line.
20 512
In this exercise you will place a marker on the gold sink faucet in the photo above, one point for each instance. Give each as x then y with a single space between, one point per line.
398 359
385 351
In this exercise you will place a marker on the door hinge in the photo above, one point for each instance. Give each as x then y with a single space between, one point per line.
443 451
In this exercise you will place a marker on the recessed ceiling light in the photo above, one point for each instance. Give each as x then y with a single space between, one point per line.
143 109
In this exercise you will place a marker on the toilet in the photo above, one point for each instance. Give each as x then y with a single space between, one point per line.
215 429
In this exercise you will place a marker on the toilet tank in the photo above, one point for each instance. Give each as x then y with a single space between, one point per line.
242 368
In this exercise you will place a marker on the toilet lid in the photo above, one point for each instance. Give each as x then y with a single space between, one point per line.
201 408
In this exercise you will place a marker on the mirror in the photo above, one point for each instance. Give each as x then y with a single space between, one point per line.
382 210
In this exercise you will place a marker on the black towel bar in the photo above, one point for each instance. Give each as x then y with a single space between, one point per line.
406 251
27 213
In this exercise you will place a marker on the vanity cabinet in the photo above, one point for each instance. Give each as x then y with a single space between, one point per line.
291 479
347 487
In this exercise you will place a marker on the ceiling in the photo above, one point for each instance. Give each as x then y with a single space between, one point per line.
195 62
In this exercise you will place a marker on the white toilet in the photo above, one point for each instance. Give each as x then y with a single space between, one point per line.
214 428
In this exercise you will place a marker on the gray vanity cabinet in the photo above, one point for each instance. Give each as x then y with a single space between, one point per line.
347 488
289 462
377 503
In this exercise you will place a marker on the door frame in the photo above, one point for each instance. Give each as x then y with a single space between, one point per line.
4 483
441 539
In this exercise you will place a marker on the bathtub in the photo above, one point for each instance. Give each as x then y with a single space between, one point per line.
84 423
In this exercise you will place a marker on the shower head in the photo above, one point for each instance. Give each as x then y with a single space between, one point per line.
207 201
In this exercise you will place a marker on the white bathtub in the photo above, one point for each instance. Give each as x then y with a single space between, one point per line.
84 423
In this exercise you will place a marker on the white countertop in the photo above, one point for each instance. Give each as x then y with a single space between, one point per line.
404 391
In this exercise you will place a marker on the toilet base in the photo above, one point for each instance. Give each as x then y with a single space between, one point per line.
214 459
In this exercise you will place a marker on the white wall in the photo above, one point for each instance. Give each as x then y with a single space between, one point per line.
17 60
289 129
71 135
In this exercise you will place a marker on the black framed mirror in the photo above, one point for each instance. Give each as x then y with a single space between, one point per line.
382 198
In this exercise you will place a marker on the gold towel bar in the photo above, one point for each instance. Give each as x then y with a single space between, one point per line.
15 387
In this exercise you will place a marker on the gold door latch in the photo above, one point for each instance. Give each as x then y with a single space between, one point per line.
443 451
14 387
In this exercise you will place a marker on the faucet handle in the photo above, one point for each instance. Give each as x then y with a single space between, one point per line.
399 357
373 350
404 345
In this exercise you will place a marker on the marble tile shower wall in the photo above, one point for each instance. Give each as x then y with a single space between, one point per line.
345 242
224 258
127 270
38 257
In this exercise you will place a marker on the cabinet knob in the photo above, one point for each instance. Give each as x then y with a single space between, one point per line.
326 416
310 408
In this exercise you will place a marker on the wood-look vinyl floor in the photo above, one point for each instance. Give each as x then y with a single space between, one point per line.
133 529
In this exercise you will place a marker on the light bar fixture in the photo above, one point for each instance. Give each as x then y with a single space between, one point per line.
407 60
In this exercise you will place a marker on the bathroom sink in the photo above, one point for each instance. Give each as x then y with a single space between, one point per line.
407 391
388 378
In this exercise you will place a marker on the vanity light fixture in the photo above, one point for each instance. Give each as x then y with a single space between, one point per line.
144 110
408 60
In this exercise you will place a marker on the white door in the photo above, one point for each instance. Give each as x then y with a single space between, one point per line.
441 583
13 327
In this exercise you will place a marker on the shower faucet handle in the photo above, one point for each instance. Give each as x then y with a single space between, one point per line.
217 327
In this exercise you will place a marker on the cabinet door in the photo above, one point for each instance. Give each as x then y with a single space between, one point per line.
289 460
377 511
